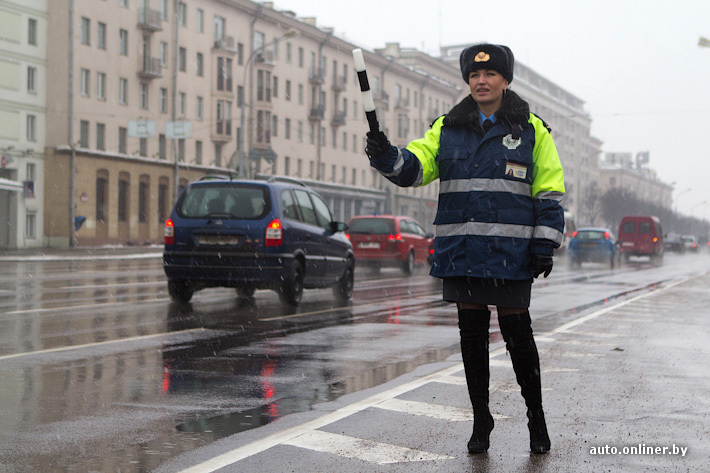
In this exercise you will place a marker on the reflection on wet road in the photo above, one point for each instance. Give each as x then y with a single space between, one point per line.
102 372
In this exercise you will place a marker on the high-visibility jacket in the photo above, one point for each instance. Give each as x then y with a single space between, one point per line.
500 191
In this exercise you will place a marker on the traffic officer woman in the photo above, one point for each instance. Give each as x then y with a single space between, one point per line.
499 218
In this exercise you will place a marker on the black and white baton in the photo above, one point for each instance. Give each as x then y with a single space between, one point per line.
367 100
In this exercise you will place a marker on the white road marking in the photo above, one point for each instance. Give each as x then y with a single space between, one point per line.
98 344
580 355
361 449
458 380
558 370
502 363
436 411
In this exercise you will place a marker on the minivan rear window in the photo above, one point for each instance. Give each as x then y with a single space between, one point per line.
227 201
629 227
645 228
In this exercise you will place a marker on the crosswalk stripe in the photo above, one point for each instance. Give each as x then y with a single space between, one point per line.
361 449
437 411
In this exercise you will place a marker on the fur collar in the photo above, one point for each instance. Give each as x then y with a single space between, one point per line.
514 111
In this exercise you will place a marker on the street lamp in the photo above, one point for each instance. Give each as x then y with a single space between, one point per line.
676 198
704 42
244 168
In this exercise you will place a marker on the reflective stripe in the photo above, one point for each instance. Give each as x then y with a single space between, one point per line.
550 195
484 229
548 233
485 185
420 175
397 168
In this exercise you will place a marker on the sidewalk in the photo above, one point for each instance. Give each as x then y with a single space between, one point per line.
102 252
620 384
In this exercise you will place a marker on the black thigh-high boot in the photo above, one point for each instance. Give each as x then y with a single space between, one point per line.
473 327
518 335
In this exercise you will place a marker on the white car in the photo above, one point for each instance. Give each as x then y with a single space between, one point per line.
690 242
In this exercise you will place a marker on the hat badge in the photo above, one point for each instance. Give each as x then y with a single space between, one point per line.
482 57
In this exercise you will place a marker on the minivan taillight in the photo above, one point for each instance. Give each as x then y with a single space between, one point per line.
274 233
169 232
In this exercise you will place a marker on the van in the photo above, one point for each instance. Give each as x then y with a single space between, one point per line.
641 235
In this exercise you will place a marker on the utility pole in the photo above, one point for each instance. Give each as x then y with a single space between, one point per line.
173 114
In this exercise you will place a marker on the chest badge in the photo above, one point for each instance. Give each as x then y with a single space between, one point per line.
510 143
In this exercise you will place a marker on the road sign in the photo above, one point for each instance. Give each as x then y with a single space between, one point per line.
141 128
178 130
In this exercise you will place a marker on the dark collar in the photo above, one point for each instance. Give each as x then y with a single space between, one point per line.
514 111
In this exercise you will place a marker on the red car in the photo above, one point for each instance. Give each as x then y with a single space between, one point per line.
388 240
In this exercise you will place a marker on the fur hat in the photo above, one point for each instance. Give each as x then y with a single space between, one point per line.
487 56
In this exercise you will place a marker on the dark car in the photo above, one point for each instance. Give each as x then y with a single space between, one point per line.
672 242
593 244
276 234
389 240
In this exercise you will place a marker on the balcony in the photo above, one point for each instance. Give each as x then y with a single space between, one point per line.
222 130
338 83
402 104
317 113
149 20
338 119
150 68
316 75
226 43
265 58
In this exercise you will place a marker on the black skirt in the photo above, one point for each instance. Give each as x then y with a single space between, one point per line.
488 291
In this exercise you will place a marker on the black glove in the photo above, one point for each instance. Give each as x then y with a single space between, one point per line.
377 144
541 264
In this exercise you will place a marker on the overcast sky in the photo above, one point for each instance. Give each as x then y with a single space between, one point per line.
635 63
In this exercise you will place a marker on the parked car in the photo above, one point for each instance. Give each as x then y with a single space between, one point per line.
276 234
690 242
672 242
388 240
641 235
593 244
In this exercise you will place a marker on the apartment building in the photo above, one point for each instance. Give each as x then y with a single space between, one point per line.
251 91
23 25
623 171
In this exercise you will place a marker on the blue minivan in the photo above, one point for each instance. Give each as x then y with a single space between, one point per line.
272 234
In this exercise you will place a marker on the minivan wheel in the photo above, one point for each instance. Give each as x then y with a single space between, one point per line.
408 267
343 290
180 291
291 290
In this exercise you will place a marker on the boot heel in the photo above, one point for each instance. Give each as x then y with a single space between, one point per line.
539 439
482 427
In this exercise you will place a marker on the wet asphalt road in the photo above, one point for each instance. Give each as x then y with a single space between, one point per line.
100 372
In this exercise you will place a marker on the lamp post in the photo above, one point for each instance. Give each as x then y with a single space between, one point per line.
704 42
676 198
244 169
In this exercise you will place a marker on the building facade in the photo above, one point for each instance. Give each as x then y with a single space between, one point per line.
622 171
23 75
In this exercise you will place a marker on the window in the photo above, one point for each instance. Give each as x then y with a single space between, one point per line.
122 91
31 128
163 54
100 136
123 188
162 199
198 152
123 3
200 64
300 131
143 99
31 225
181 103
31 79
163 10
84 78
182 59
217 154
101 86
163 100
299 167
101 189
200 18
240 54
300 57
300 94
224 120
288 90
275 87
85 31
143 193
143 147
199 108
123 42
84 134
32 32
122 140
181 150
274 125
182 13
288 53
162 147
287 166
287 129
101 36
224 74
219 28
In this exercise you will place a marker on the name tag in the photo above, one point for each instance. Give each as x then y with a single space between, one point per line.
516 170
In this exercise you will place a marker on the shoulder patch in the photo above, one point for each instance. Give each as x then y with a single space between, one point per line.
544 123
